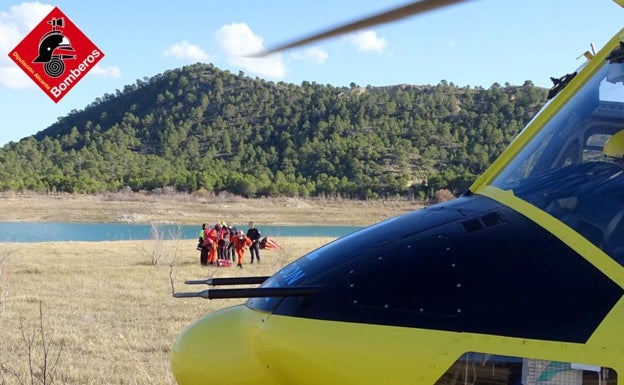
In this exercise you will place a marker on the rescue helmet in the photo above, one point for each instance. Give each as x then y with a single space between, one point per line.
614 148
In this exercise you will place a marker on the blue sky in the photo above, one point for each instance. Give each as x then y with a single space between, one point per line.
475 43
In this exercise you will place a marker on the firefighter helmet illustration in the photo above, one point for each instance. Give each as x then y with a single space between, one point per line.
52 48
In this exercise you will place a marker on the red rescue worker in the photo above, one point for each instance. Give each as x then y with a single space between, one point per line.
211 250
241 243
217 234
213 235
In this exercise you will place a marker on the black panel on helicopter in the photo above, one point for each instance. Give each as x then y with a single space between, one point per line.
470 267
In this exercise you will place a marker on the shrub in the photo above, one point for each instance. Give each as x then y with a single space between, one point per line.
443 195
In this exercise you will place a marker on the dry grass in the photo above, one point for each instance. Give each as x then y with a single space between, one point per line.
108 308
194 209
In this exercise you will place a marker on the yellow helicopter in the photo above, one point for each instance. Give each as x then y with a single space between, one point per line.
518 281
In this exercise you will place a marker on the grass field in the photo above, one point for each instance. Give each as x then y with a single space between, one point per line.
105 309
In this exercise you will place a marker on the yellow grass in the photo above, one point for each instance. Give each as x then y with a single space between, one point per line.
110 310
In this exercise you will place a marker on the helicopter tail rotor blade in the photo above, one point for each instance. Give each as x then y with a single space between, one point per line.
410 9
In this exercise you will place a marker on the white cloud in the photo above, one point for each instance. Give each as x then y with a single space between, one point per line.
186 50
237 42
15 24
25 16
109 71
368 41
14 78
313 54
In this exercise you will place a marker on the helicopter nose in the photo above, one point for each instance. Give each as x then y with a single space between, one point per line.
221 348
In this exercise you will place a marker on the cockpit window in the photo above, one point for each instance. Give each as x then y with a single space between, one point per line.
566 170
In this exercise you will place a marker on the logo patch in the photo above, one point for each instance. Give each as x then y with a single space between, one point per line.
56 55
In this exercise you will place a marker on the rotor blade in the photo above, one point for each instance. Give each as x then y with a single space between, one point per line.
381 18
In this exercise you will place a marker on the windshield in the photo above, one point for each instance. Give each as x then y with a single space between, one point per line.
563 170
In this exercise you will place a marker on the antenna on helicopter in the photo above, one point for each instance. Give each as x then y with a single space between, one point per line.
229 281
260 292
299 291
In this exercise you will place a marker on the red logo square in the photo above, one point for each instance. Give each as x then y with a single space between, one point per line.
56 55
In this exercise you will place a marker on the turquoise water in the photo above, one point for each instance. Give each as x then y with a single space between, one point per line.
94 232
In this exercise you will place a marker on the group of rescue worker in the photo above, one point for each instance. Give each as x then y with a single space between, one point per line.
221 244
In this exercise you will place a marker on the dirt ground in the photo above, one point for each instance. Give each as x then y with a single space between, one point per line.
193 209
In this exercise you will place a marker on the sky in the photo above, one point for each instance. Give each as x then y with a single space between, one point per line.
475 43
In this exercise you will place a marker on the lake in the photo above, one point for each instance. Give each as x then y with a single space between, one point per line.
95 232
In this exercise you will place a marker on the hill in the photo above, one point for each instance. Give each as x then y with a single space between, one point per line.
198 128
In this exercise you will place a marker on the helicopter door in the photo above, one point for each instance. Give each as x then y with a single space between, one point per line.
482 368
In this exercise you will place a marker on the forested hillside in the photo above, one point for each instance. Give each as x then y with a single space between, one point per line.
198 127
